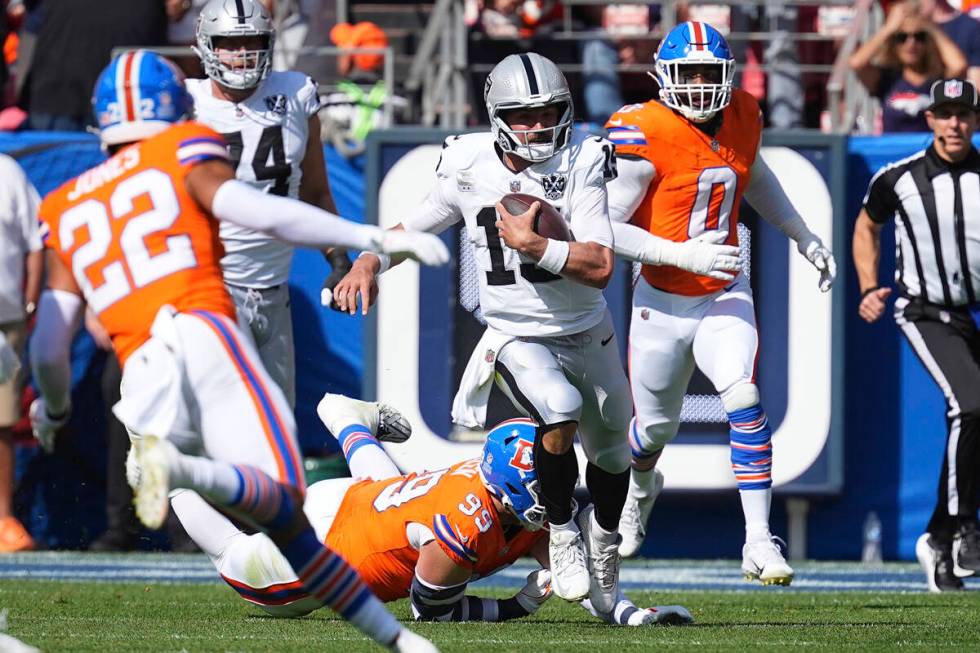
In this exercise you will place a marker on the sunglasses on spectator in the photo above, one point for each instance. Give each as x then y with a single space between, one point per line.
902 37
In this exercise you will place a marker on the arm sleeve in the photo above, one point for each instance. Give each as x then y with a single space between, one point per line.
290 220
436 603
628 189
590 209
438 211
59 314
880 202
767 197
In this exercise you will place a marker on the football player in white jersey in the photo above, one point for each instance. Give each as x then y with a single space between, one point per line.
550 343
269 119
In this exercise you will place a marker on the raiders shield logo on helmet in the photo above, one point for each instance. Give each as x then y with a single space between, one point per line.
554 186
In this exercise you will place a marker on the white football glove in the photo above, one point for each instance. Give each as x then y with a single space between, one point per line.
427 249
45 427
821 258
538 590
705 254
9 362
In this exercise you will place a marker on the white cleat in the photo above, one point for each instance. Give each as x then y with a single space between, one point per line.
636 513
150 496
763 561
570 578
337 412
409 642
604 559
662 615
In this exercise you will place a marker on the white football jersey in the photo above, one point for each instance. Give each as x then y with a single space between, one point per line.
267 136
517 297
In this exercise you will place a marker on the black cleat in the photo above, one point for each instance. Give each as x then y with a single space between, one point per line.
966 549
937 562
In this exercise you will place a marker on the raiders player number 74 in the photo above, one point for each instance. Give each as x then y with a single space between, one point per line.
549 334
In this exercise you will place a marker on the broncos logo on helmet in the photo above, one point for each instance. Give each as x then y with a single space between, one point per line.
138 95
508 471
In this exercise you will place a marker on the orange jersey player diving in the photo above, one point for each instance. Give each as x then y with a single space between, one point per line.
453 503
135 240
699 179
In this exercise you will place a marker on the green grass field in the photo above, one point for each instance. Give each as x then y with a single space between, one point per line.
104 617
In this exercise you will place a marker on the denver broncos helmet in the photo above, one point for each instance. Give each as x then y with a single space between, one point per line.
138 95
695 44
508 471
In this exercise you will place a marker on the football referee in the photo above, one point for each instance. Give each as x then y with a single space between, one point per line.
934 197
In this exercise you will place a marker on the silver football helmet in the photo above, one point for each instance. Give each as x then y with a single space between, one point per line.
528 81
229 19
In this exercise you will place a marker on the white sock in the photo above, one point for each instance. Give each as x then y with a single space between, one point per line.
601 534
213 479
641 482
372 462
570 525
755 506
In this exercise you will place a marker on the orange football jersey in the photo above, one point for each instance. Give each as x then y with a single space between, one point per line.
369 530
135 240
699 180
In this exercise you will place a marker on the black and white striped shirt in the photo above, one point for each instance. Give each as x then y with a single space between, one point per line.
937 231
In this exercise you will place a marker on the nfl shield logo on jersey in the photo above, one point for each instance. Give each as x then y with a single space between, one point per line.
554 186
276 104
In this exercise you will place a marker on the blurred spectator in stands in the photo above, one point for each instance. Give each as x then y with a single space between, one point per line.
516 18
122 530
21 265
602 82
181 31
73 45
899 63
961 28
357 103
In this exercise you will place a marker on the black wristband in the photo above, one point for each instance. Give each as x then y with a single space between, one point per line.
868 291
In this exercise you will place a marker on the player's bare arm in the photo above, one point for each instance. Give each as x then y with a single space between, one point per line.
588 263
866 250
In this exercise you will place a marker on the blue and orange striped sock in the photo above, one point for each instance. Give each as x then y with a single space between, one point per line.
366 458
751 442
330 580
262 499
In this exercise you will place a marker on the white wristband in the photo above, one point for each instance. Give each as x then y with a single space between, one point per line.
383 258
555 256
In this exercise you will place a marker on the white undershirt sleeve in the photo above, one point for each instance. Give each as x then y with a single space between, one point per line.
290 220
59 314
629 187
766 195
436 213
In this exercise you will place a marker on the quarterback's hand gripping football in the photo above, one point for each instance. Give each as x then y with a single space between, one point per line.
44 426
537 590
708 255
425 248
822 259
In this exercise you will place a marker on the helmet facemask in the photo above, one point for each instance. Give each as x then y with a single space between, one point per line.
697 102
234 67
534 145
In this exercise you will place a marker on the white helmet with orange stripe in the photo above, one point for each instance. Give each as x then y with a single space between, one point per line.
695 69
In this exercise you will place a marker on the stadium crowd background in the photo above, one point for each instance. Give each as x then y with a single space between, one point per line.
54 49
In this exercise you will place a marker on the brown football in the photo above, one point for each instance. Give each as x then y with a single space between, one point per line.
548 223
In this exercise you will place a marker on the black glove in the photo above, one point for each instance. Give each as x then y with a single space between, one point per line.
341 265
